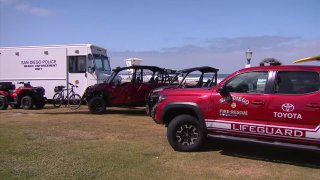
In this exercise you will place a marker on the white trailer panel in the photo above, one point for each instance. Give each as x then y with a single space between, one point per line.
50 66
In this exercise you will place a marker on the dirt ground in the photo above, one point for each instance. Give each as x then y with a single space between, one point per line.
126 144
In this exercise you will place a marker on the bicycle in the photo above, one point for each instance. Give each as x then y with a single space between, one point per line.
62 96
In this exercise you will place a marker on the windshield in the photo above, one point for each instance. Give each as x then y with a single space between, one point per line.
101 63
195 79
112 76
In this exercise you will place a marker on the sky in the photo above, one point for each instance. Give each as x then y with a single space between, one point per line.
173 34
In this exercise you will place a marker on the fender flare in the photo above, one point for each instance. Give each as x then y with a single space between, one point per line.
23 93
192 107
4 97
94 93
104 94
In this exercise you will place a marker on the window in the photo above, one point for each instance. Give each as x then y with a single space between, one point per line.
252 82
194 79
77 64
130 75
297 82
101 63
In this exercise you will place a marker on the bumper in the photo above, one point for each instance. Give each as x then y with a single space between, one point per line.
148 110
151 101
151 111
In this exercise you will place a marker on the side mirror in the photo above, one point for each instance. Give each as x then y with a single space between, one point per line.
90 69
90 57
223 91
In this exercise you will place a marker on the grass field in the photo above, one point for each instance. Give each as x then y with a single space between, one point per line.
127 144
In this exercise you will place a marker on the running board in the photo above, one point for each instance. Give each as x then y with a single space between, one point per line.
273 143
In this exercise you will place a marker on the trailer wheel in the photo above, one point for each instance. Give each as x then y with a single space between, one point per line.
26 102
3 103
97 105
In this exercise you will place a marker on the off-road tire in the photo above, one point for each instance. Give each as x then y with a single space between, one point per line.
26 102
3 103
97 105
57 100
184 133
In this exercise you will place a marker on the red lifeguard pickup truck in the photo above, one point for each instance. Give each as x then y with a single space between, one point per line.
277 105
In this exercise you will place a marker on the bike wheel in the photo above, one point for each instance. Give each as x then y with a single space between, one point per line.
57 100
74 101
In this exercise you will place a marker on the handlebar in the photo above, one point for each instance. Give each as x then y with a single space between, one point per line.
73 85
27 84
62 88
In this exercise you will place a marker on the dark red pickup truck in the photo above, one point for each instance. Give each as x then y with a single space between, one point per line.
277 105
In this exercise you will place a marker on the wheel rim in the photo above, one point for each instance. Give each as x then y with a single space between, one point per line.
96 105
25 103
57 100
75 101
187 134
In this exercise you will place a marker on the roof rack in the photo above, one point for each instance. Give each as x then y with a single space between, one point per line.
270 61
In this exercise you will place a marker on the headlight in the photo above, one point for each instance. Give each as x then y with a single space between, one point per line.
154 95
162 98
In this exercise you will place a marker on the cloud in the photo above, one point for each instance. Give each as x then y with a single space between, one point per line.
238 44
24 6
227 54
6 1
260 42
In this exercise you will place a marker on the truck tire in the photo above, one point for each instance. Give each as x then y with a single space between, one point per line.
184 133
26 102
97 105
3 103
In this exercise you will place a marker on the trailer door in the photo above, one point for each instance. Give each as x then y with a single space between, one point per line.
77 73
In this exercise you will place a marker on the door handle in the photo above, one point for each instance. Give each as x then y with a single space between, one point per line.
313 105
257 102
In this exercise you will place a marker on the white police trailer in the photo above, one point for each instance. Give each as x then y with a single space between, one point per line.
55 65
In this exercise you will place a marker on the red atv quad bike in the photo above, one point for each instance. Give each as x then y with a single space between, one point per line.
25 96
